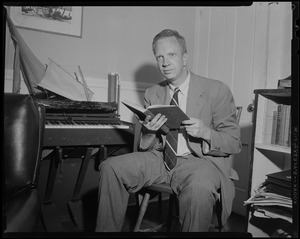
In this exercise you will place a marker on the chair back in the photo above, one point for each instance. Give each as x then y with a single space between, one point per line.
23 140
238 113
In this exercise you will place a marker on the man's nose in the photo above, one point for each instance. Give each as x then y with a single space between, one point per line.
166 62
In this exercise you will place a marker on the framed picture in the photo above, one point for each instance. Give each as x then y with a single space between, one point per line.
65 20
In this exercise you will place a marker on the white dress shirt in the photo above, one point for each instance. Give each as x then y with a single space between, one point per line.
182 147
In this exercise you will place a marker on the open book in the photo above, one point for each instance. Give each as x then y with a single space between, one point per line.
172 112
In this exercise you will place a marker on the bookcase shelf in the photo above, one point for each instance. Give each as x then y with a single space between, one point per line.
272 147
267 157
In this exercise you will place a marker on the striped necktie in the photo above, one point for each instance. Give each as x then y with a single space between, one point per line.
170 157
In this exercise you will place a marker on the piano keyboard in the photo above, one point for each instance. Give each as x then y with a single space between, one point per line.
83 125
82 133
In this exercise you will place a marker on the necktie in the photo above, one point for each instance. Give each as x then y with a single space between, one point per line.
170 157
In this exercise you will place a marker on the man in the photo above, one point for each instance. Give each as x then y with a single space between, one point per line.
204 144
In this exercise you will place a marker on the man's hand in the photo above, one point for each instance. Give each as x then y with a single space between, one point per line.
153 125
196 128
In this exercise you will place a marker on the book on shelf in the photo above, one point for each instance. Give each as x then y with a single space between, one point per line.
282 177
278 123
173 113
285 83
274 187
274 127
276 212
287 122
269 199
279 182
281 125
290 132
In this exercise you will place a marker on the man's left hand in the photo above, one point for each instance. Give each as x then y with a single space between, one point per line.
196 128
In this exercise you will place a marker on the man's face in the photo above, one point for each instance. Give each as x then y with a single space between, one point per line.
170 59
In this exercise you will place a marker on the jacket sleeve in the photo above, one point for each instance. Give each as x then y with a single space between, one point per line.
225 130
149 141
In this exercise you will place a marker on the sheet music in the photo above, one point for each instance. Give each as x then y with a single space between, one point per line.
59 81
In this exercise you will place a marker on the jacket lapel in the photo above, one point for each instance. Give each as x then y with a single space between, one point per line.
163 94
194 102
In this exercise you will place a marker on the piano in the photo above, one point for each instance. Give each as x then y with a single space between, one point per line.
79 124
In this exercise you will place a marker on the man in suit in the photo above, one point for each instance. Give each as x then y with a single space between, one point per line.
205 142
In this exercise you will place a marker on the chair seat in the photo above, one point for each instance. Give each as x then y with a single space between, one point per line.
162 187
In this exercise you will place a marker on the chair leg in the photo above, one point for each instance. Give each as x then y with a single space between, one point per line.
170 211
219 212
160 203
142 211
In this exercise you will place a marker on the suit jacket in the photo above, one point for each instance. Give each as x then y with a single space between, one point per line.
212 102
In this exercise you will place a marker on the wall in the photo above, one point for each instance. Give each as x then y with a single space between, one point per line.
113 39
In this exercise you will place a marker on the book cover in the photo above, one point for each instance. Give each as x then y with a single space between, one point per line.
284 175
173 113
278 182
274 187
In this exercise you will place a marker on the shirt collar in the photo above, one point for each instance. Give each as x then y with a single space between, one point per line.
184 86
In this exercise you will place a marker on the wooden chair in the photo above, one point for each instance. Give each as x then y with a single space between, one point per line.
157 189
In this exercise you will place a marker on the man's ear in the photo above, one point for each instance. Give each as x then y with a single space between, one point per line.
185 58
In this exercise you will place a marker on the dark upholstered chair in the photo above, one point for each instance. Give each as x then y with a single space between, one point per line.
157 189
23 139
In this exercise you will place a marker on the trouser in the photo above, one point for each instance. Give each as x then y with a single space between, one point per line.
194 180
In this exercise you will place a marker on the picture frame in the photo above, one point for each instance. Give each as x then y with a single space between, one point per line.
65 20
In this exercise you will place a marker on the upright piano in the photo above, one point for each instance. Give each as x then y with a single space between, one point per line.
79 124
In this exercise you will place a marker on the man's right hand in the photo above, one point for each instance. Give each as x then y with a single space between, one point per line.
153 125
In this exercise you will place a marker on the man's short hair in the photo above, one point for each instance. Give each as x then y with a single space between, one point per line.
170 33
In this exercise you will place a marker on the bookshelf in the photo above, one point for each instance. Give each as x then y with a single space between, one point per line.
269 155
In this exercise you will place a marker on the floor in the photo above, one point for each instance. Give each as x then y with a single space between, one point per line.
152 218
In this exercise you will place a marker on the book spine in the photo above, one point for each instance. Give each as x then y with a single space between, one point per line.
287 125
279 116
282 125
274 127
290 132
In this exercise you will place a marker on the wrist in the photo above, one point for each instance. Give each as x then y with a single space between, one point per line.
207 135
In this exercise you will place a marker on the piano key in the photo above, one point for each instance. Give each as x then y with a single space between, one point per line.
82 125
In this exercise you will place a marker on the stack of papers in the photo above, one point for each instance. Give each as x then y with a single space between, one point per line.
272 199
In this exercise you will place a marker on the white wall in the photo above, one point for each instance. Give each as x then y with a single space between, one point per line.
114 39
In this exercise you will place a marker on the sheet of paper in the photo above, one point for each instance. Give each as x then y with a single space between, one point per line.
59 81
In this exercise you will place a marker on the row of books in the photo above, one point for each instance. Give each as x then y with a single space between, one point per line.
272 199
281 126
